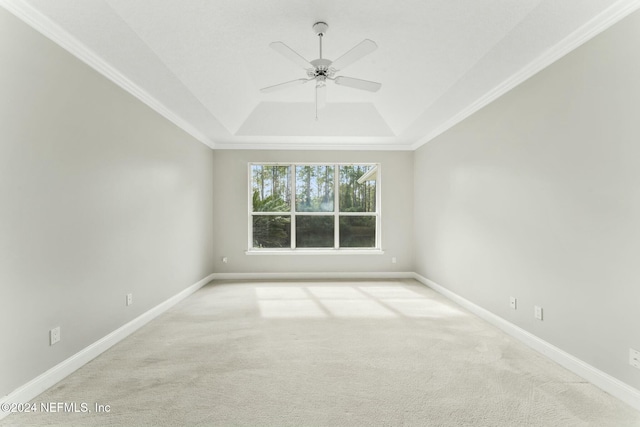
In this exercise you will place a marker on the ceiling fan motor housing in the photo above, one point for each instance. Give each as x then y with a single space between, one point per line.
321 69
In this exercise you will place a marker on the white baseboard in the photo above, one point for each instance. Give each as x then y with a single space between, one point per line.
319 275
606 382
44 381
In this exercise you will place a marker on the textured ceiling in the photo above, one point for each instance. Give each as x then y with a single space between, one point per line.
202 63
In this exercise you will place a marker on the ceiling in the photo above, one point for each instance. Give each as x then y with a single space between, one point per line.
201 63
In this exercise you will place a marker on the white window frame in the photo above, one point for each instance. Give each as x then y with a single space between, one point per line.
336 250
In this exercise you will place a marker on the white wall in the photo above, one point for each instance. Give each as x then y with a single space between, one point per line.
537 196
231 226
99 197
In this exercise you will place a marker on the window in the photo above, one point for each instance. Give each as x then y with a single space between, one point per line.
314 206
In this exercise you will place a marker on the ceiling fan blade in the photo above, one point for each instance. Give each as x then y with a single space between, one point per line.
358 83
321 96
364 48
291 54
284 85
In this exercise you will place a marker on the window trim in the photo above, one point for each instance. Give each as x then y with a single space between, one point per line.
292 213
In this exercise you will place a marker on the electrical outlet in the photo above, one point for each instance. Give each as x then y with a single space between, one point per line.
513 303
393 260
225 259
537 312
634 358
129 299
54 335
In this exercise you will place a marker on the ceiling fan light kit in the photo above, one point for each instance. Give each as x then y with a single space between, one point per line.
323 69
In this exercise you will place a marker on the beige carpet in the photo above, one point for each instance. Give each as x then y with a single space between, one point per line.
374 353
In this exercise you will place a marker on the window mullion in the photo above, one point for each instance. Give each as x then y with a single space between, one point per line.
250 205
336 207
378 208
292 197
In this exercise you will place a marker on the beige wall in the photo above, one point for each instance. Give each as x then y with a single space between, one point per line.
231 217
537 196
99 197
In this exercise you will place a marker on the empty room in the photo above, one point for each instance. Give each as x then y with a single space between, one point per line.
320 213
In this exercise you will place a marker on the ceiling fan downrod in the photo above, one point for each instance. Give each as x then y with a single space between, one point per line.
320 28
321 67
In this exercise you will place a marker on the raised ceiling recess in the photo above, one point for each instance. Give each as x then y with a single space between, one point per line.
202 64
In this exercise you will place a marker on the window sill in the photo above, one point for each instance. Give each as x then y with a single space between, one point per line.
314 252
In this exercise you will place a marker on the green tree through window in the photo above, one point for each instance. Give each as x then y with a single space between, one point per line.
314 206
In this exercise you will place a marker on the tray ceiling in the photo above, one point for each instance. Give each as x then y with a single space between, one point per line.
202 63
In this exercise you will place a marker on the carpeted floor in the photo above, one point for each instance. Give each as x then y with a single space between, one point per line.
341 353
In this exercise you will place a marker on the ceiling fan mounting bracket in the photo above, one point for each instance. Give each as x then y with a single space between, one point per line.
320 28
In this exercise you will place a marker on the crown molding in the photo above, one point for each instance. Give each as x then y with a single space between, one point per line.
586 32
312 146
55 33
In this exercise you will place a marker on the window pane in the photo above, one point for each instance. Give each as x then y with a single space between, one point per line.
271 231
271 186
314 188
355 196
357 231
314 231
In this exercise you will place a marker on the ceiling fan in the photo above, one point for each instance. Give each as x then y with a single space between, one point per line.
322 69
